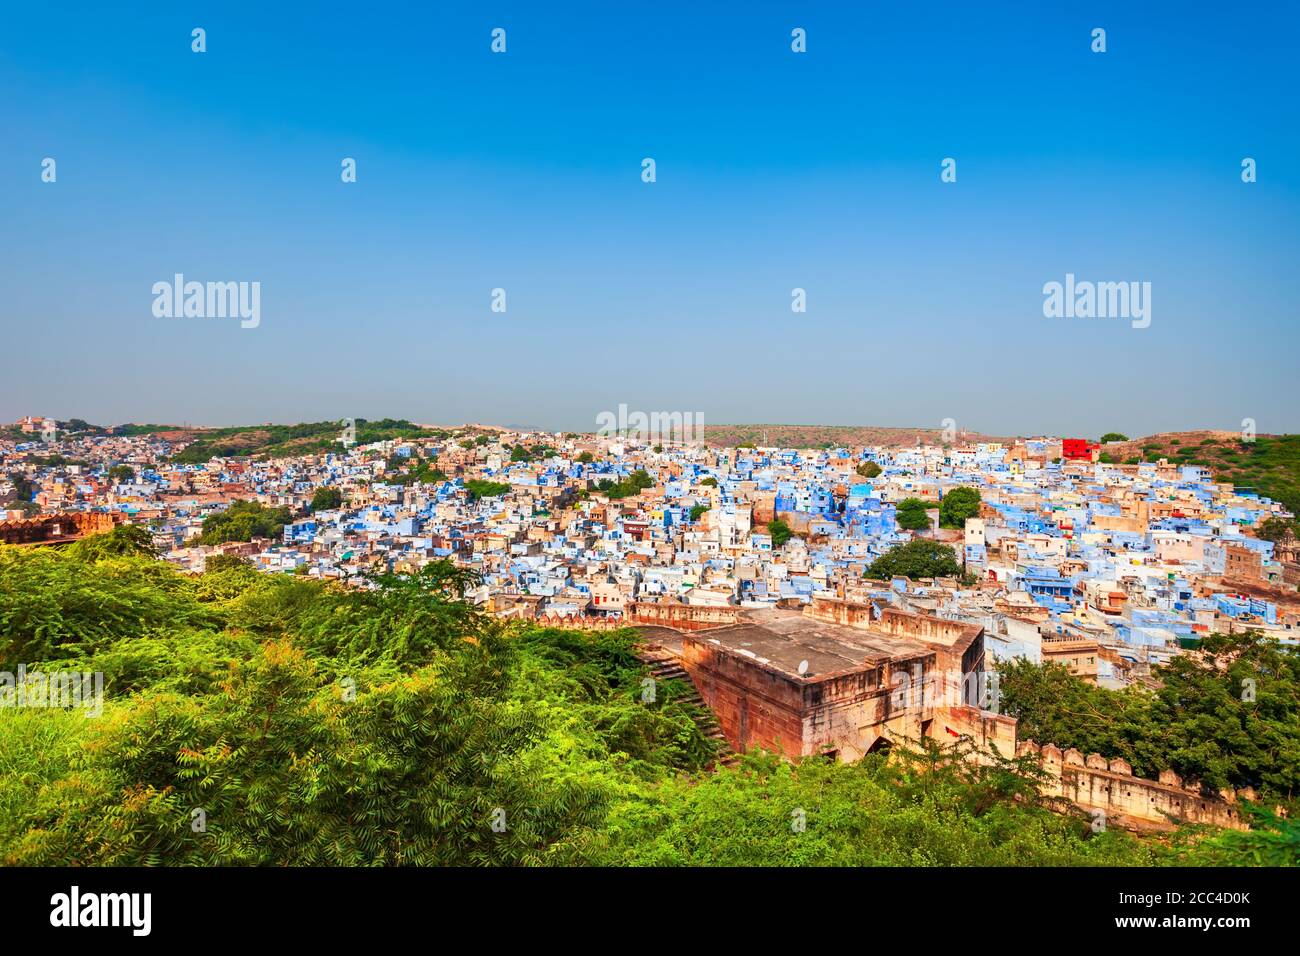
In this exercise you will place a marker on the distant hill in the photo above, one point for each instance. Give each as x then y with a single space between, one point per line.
833 436
1269 465
282 441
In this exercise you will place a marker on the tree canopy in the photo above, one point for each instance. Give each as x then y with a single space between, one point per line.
326 499
911 515
958 505
1201 722
244 521
921 558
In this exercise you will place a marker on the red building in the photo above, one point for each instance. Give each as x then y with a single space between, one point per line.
1078 449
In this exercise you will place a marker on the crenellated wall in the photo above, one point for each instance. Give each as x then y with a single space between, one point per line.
1094 783
683 617
55 528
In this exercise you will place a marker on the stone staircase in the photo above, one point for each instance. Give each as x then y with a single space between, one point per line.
664 665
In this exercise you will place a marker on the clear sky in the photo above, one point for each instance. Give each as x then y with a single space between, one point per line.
775 170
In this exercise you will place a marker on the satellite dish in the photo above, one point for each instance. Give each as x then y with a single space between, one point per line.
803 667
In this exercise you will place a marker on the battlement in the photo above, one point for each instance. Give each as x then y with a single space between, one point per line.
55 528
1095 783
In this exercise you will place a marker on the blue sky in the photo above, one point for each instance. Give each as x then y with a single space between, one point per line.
775 170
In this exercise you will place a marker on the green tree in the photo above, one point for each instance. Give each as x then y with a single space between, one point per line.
326 499
868 469
1113 436
921 558
958 505
244 521
1276 529
780 532
633 484
911 515
121 473
1199 722
479 488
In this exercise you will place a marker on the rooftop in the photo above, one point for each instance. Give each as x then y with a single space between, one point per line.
782 639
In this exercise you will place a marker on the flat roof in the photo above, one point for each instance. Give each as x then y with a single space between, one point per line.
782 639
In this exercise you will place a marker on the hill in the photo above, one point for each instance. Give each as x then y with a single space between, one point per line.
1270 465
833 436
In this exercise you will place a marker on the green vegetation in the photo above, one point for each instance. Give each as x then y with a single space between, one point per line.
326 499
1277 529
244 521
709 482
633 484
697 510
1113 436
480 488
911 515
416 470
868 469
920 808
318 725
958 505
120 473
921 558
278 441
1197 723
586 458
780 532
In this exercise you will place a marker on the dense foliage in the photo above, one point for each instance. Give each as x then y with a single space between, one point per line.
921 558
244 521
270 719
627 487
780 532
1227 716
481 488
911 515
958 505
326 499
